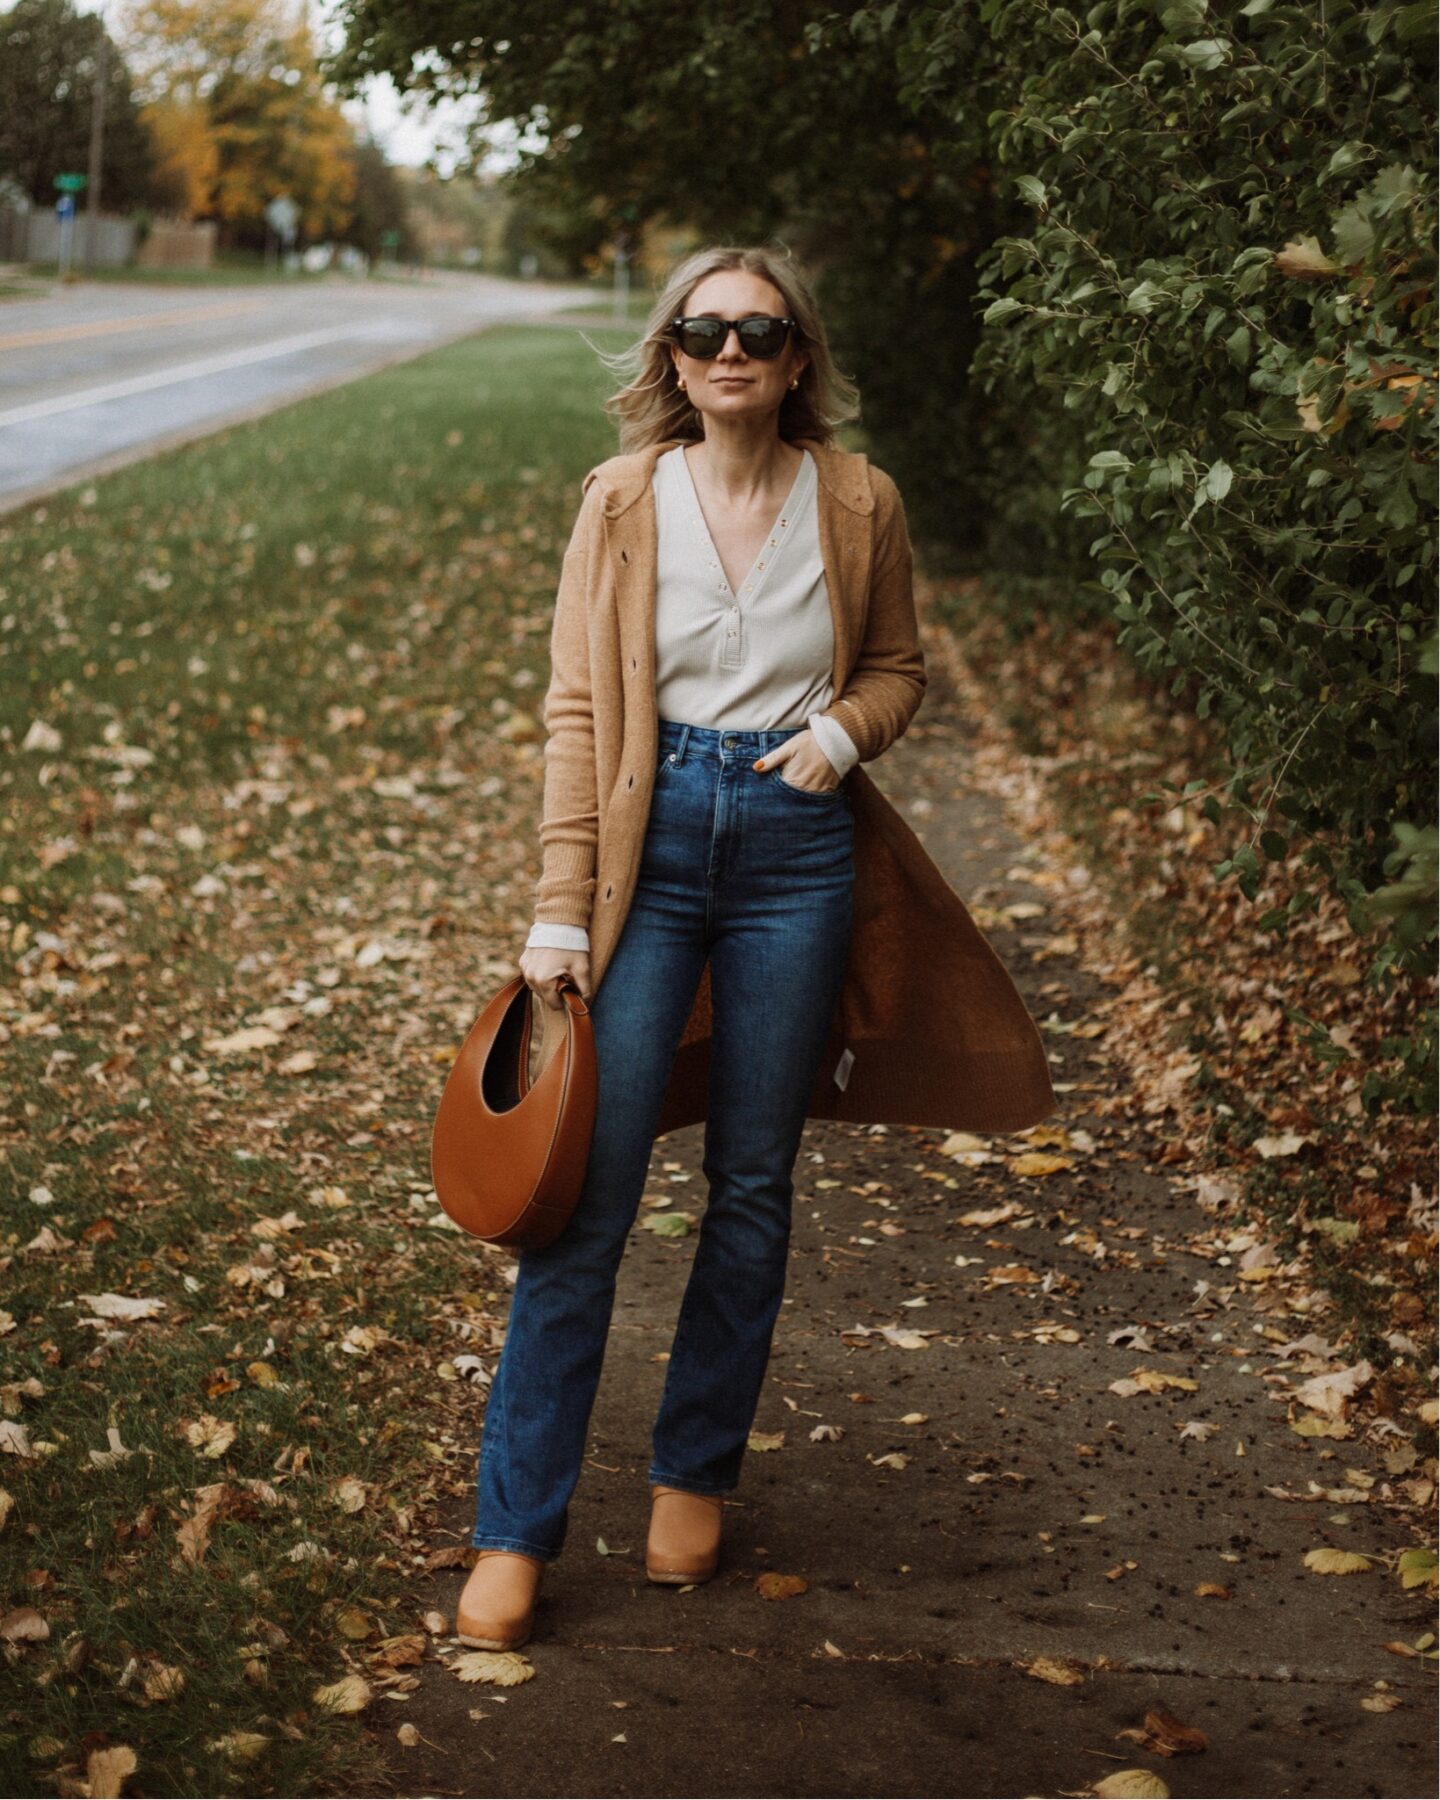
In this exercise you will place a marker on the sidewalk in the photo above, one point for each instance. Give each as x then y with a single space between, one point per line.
1136 1540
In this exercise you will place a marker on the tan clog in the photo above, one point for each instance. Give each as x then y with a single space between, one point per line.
497 1608
684 1541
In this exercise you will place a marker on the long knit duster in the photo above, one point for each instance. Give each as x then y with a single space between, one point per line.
937 1032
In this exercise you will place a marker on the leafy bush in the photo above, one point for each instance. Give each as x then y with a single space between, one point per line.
1221 317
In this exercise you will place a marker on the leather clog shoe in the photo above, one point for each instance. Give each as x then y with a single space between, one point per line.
497 1608
684 1541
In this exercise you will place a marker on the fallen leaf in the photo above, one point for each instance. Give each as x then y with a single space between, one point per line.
162 1681
350 1694
1287 1143
1036 1162
667 1224
1328 1393
251 1037
771 1586
1417 1568
121 1306
1062 1671
1164 1735
1131 1784
15 1438
1326 1561
210 1436
106 1770
500 1668
1315 1425
765 1440
23 1626
238 1746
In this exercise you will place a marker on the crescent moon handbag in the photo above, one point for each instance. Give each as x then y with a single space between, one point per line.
507 1159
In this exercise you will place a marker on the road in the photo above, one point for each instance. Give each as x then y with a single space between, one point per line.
96 374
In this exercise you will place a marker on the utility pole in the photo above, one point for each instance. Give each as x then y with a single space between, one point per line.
97 149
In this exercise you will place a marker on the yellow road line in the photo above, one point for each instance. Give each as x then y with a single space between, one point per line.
54 334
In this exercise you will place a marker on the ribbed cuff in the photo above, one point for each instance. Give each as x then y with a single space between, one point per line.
558 937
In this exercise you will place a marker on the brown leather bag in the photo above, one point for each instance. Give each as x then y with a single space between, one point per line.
508 1159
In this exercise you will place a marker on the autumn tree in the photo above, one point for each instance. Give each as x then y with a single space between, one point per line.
240 113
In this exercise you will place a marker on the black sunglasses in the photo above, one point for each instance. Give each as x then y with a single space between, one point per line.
762 336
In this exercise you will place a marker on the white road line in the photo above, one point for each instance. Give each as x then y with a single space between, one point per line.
137 384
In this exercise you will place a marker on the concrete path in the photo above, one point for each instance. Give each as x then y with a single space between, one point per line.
1038 1514
96 374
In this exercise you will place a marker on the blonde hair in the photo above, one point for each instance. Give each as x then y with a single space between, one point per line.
651 406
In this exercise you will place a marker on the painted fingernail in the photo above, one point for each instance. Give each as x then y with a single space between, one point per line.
760 764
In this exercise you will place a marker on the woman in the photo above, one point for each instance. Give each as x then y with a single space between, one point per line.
735 630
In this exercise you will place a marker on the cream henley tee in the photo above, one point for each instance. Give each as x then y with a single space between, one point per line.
758 660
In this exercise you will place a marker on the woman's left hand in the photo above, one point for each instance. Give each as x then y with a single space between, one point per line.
807 765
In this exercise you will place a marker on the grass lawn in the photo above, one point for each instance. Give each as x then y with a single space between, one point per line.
272 762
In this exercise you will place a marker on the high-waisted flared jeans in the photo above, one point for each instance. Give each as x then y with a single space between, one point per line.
757 875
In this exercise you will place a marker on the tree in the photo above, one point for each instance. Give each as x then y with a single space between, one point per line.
239 105
49 55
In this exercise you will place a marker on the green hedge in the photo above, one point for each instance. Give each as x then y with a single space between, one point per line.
1215 330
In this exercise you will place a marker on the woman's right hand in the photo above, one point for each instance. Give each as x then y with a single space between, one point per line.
542 966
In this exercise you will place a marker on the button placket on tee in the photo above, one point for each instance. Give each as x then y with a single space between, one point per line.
733 641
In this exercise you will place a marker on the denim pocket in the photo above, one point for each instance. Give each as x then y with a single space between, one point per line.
820 794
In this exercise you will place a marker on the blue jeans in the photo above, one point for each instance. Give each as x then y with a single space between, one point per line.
756 875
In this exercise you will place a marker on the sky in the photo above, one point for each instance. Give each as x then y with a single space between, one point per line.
407 131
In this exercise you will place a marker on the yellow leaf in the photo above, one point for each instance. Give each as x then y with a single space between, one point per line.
1132 1784
1156 1381
1012 1274
1336 1562
1061 1671
162 1681
765 1440
771 1586
350 1694
501 1668
1036 1162
1302 259
210 1436
1316 1425
105 1771
238 1746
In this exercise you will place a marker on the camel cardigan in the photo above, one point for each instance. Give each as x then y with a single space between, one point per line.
929 1028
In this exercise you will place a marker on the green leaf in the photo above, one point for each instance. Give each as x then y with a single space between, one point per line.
668 1224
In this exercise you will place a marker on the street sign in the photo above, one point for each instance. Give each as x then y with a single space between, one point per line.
70 184
283 215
